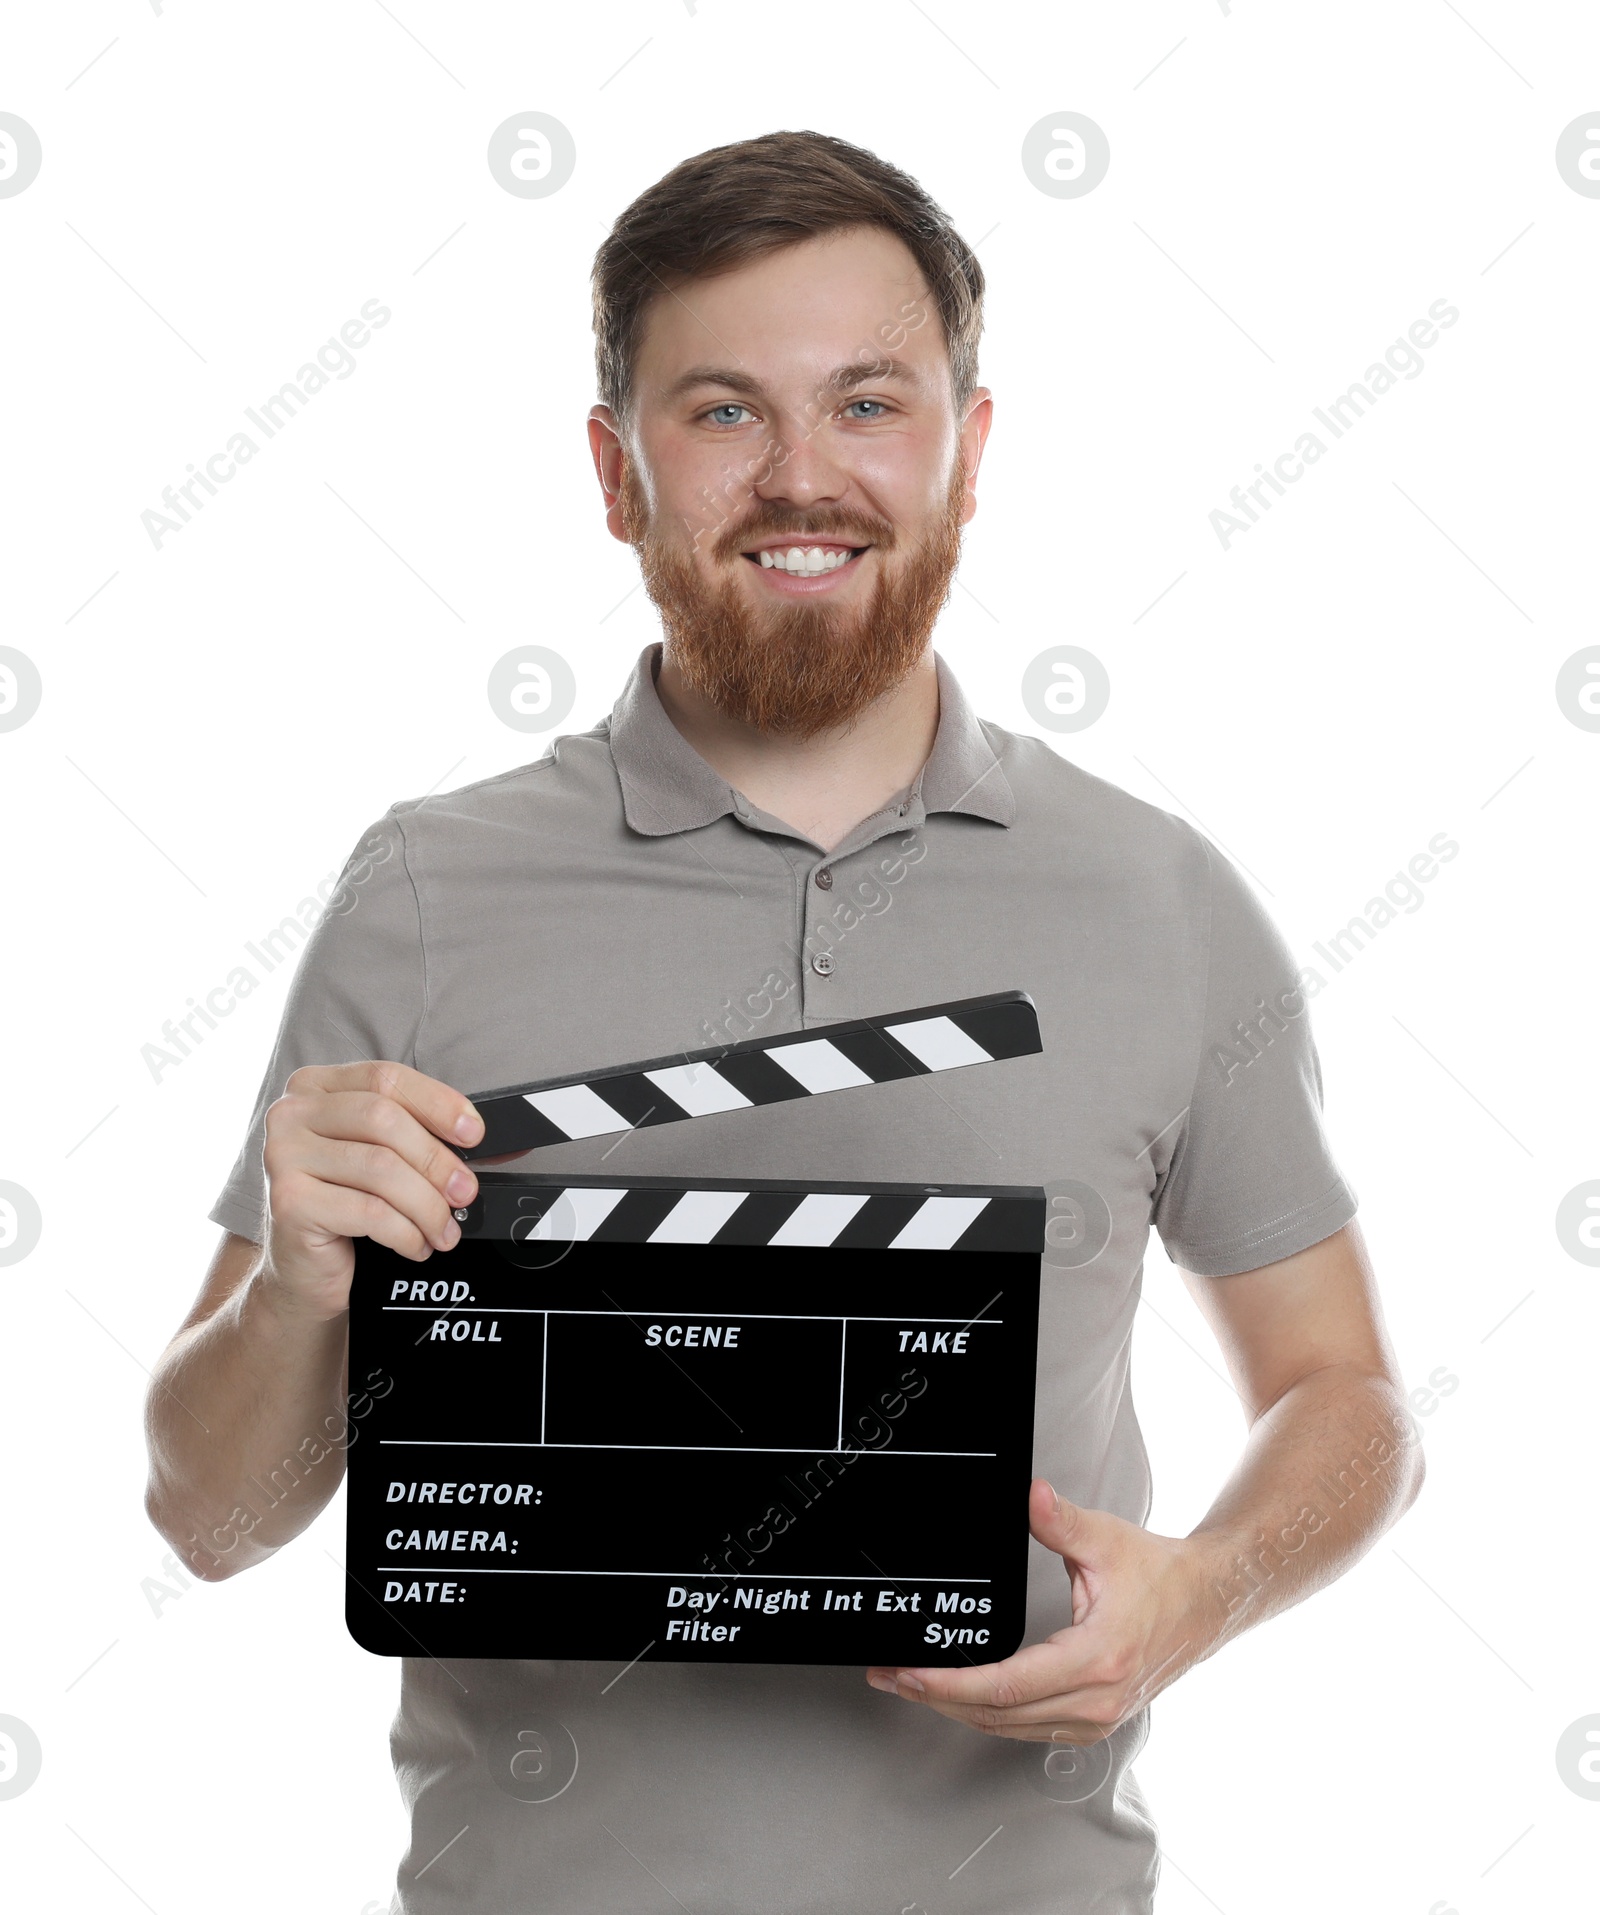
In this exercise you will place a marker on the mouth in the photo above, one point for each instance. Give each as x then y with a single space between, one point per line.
790 566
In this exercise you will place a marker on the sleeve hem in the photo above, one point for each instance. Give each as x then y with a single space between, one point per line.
234 1215
422 936
1283 1237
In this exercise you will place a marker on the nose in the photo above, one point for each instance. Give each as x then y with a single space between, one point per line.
804 476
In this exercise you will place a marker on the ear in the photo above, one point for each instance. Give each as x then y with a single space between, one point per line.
974 436
605 445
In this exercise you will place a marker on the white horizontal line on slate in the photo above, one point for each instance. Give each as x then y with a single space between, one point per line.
753 1316
687 1575
743 1449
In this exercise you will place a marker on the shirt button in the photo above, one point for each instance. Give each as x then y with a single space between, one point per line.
825 879
822 964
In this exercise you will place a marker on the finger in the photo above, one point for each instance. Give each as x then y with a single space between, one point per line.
436 1106
366 1117
1090 1709
1062 1735
374 1170
1063 1663
341 1210
1062 1727
1082 1536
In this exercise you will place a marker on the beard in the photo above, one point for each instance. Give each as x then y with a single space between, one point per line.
803 668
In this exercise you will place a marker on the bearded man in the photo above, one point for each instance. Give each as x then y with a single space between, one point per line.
793 818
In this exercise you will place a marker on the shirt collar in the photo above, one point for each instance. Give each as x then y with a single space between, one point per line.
668 787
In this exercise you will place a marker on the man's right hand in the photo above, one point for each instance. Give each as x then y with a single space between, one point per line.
354 1150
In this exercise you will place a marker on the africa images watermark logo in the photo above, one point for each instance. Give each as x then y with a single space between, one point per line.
1402 360
337 896
335 359
21 688
532 688
1066 155
20 155
20 1223
1402 896
532 155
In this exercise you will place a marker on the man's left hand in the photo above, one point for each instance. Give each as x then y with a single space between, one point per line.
1144 1609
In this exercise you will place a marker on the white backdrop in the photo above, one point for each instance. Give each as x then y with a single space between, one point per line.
1377 660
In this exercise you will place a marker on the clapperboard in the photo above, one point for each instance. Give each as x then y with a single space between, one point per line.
729 1420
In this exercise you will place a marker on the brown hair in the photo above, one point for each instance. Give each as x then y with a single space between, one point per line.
735 203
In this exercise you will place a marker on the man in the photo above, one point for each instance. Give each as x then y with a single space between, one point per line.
793 818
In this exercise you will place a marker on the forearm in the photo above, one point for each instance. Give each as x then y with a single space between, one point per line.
1325 1470
246 1427
1324 1473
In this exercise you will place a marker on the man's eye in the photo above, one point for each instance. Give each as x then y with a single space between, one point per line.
878 404
718 414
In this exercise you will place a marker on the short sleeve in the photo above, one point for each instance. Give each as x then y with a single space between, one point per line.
1252 1178
359 992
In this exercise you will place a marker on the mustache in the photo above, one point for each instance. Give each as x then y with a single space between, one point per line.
842 527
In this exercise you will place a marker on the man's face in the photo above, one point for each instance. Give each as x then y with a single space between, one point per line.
795 477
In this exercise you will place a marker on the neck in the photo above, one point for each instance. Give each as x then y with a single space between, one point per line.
822 786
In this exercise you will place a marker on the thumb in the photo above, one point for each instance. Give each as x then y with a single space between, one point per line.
1080 1535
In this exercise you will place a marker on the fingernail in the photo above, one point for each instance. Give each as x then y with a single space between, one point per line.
885 1683
460 1186
450 1236
907 1680
469 1126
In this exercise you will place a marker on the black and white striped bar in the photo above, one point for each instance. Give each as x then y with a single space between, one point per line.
523 1209
767 1070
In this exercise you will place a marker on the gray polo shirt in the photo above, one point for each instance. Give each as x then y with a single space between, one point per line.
617 900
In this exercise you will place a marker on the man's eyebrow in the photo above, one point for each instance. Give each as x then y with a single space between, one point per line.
841 380
871 372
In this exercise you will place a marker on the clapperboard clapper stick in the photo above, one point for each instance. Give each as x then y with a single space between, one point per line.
820 1393
764 1070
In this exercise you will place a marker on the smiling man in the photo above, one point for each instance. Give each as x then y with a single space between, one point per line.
791 818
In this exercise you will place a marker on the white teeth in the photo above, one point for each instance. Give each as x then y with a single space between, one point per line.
803 562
